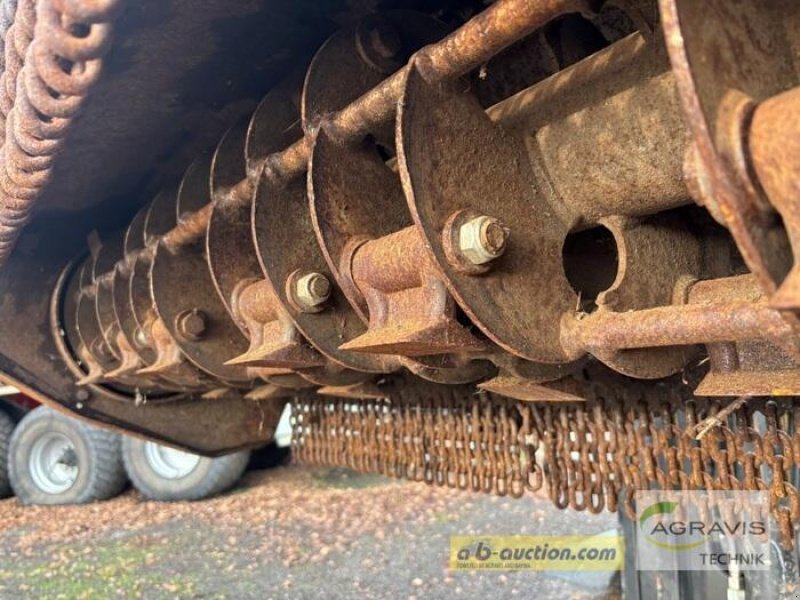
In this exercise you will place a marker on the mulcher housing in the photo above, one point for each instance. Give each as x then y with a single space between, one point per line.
451 237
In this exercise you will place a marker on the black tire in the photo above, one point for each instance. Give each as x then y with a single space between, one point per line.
269 457
210 476
94 452
6 429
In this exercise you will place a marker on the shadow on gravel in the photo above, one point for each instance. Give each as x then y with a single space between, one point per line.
290 532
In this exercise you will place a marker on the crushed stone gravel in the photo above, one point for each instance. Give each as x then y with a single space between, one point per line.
290 532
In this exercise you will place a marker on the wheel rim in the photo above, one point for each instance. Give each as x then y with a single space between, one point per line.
168 462
53 463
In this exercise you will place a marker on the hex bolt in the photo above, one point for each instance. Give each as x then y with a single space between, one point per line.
311 291
191 324
482 239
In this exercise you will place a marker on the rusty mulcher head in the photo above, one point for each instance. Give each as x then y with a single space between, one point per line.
376 218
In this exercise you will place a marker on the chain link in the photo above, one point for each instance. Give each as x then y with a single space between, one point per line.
588 456
53 53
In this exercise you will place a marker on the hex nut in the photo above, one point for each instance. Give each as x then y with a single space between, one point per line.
191 324
312 291
482 239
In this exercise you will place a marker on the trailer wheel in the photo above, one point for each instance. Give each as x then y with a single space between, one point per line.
165 474
6 429
54 459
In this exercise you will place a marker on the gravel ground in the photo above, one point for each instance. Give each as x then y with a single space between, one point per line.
290 532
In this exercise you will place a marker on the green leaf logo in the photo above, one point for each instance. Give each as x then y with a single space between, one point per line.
663 508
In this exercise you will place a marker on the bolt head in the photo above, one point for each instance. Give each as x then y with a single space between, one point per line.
311 291
482 239
192 324
140 337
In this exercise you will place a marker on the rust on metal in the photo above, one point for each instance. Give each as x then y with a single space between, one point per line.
593 119
410 311
411 277
716 311
773 141
467 258
588 456
747 51
50 68
274 340
447 183
605 331
498 27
